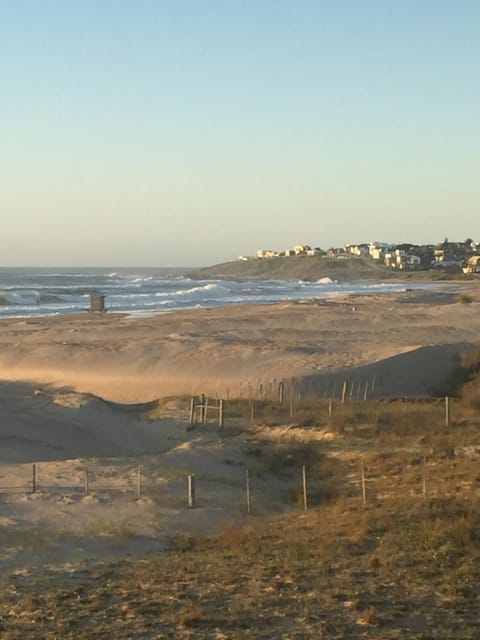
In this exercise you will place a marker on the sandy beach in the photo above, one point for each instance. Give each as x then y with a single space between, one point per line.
68 385
408 342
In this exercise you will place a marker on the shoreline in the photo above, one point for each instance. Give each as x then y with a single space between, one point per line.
374 288
146 293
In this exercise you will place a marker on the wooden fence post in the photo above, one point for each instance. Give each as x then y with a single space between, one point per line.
191 491
252 411
249 501
344 391
447 411
139 484
330 408
364 487
280 391
304 483
205 418
424 478
352 388
202 409
192 412
220 413
365 392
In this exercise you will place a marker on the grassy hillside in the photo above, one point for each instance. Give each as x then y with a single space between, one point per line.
399 559
299 268
404 564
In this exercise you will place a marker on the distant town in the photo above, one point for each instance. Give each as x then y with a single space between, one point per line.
448 256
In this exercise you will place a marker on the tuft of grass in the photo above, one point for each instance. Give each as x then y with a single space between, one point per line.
285 458
467 371
191 617
470 393
369 617
98 528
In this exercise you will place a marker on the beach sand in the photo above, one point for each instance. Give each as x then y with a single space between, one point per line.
61 380
407 341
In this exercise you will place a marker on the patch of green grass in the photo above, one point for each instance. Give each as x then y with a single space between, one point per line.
120 530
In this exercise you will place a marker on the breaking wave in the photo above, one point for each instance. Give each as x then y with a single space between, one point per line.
326 281
137 291
20 297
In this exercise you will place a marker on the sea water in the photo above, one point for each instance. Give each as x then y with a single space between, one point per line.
45 291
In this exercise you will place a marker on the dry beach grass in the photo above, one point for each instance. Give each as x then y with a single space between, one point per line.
404 565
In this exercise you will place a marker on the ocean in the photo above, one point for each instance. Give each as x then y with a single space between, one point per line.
146 291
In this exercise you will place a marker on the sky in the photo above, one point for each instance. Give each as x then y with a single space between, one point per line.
188 132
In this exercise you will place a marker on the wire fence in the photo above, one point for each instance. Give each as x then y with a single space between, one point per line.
304 487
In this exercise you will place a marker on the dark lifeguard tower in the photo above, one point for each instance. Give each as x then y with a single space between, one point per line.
97 301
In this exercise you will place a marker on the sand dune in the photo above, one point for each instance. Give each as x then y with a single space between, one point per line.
61 377
418 372
57 424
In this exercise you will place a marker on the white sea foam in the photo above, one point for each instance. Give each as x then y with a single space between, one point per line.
20 297
326 281
30 292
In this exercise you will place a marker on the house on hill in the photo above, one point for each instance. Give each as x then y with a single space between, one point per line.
378 249
357 249
400 259
301 249
473 265
267 253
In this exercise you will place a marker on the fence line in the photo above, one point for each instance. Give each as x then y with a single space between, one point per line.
360 484
141 486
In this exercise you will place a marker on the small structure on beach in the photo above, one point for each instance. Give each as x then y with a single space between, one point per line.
97 301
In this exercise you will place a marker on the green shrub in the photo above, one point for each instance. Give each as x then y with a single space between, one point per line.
466 372
471 393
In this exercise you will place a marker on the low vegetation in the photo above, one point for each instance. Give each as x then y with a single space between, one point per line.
465 381
401 568
402 563
299 268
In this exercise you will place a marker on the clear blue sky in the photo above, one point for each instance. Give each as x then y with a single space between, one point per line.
187 132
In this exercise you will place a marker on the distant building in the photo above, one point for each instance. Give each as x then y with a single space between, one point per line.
267 253
301 249
357 249
378 249
473 265
400 259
